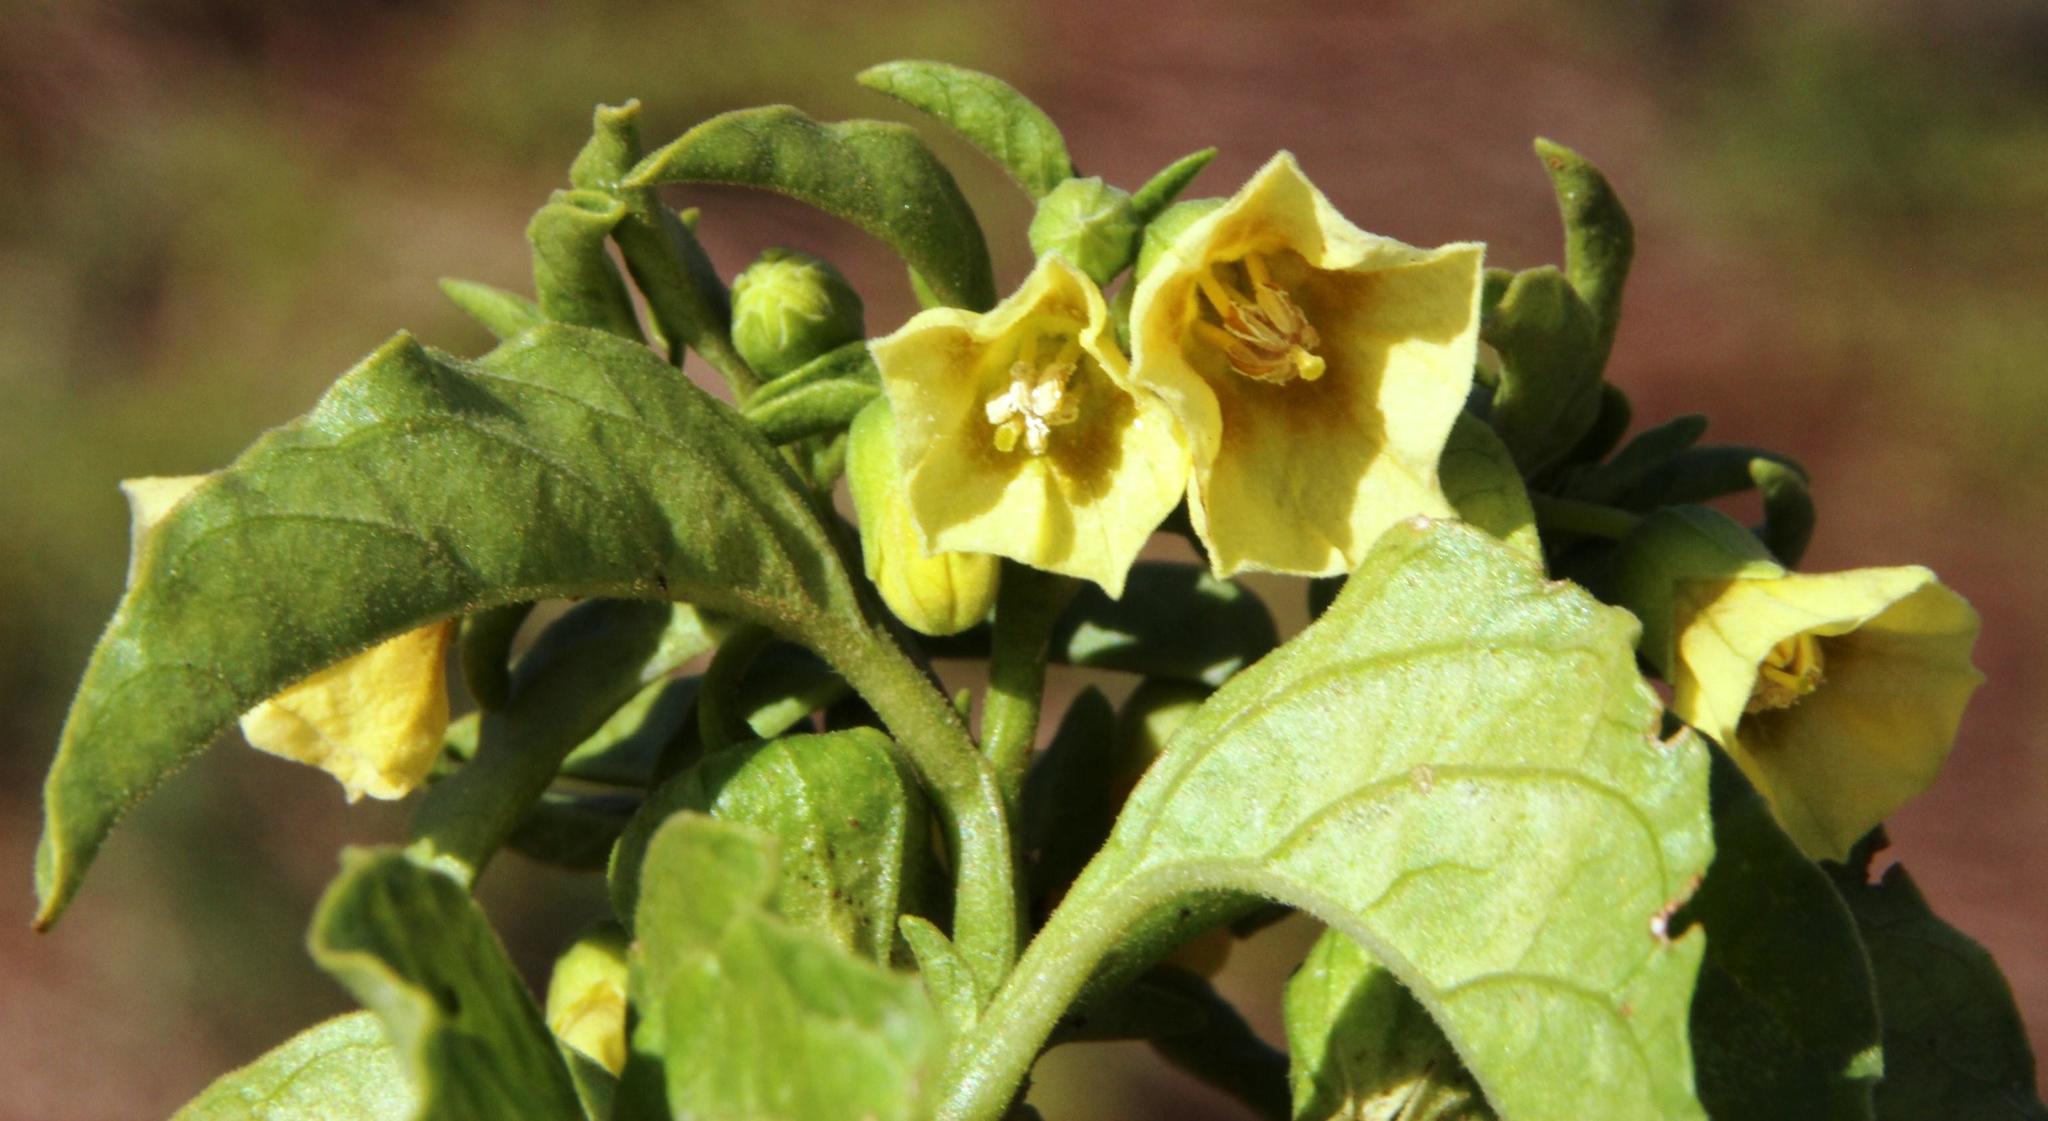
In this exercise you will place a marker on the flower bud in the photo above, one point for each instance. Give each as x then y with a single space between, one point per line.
1089 223
790 307
934 594
587 996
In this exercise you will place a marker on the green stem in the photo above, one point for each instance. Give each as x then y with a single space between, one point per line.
994 1060
987 909
1027 607
1569 515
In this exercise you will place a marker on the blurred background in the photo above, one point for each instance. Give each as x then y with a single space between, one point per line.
209 208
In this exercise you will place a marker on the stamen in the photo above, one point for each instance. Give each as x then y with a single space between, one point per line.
1792 670
1037 398
1265 336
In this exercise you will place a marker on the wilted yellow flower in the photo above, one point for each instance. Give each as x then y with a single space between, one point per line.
935 593
374 721
1316 368
1838 694
1020 434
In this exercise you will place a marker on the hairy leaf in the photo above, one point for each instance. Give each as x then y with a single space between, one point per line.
573 275
1480 479
1550 387
1365 1050
413 947
1784 1025
341 1070
567 463
877 175
1159 191
1599 239
986 110
852 827
752 1018
502 313
1954 1045
1174 620
1455 767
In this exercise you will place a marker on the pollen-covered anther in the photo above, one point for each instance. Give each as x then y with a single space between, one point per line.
1038 398
1265 336
1791 670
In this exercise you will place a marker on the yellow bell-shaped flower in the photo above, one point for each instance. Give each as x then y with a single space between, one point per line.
1020 434
1838 694
586 1004
936 594
374 721
1317 370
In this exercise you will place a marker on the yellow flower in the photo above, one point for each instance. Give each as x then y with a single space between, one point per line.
935 593
1838 694
1020 435
374 721
1316 368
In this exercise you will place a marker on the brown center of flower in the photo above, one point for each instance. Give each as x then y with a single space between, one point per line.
1265 335
1789 672
1038 396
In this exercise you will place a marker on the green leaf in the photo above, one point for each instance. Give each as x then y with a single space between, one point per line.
1784 1024
502 313
567 463
950 981
572 272
752 1018
1455 767
1480 480
628 746
1159 191
1069 799
852 826
986 110
686 299
815 407
1954 1045
1651 449
1599 239
1365 1050
1550 387
340 1070
571 830
413 947
1174 620
877 175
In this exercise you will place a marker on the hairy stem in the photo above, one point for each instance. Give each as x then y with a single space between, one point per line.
1026 609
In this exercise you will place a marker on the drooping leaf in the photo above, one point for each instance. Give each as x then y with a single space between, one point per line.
567 463
1784 1024
686 299
342 1070
1159 191
1174 620
852 829
502 313
877 175
1954 1045
1455 766
986 110
1365 1050
752 1018
1788 509
1549 392
573 275
1651 449
628 746
1480 480
572 830
816 408
486 652
413 947
1599 239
